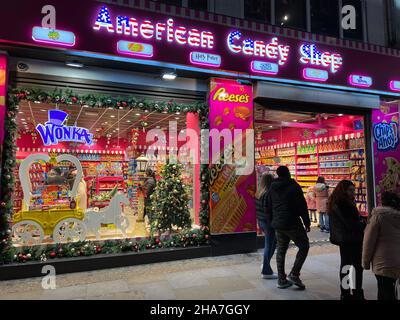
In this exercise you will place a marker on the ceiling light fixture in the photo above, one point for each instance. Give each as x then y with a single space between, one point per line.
169 76
129 121
138 114
112 116
340 114
74 64
295 120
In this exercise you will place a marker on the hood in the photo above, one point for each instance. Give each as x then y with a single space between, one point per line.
386 211
282 183
320 187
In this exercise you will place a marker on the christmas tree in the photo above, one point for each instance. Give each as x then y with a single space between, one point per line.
170 209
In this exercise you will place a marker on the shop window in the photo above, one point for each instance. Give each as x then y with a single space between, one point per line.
259 10
87 173
291 14
313 145
325 17
357 33
198 4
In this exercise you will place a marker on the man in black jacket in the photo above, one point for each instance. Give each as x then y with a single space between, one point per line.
286 205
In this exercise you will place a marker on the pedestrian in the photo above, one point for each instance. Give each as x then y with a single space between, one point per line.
347 230
321 199
311 203
148 188
382 245
286 204
265 226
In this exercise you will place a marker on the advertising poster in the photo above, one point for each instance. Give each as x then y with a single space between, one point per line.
386 149
232 195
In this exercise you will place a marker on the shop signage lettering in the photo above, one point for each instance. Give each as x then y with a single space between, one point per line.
54 131
386 135
135 48
264 67
160 31
315 74
311 55
206 59
222 95
395 85
53 36
272 50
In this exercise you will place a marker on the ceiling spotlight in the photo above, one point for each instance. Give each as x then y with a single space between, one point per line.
169 76
137 114
129 121
74 64
295 120
177 118
112 116
271 126
286 18
146 111
178 112
340 114
20 112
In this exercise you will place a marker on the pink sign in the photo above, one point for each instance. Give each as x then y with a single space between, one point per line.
232 196
386 148
3 92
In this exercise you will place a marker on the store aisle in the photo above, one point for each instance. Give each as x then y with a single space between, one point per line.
229 277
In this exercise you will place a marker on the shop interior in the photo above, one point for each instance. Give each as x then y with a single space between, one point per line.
113 172
313 145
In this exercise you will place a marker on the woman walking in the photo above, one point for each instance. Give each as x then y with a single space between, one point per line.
311 203
347 231
382 245
321 200
264 224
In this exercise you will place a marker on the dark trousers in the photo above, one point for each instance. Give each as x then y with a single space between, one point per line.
299 236
386 288
269 246
350 255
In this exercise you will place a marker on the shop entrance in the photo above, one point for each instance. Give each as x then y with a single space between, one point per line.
316 146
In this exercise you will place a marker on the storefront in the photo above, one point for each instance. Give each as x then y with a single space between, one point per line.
92 131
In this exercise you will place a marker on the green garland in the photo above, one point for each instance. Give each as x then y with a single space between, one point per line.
9 254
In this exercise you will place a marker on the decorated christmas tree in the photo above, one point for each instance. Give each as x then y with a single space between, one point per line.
169 208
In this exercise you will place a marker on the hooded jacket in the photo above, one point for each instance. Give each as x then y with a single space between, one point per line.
286 204
321 197
382 243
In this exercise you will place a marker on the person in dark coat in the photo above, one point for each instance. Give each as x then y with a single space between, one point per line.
289 217
148 189
347 231
265 226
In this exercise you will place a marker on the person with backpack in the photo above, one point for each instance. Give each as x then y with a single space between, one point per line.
264 224
382 245
288 212
347 231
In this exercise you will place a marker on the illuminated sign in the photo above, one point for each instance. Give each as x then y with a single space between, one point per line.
54 130
315 74
360 81
223 96
311 55
386 135
159 31
395 85
264 67
272 50
205 59
135 48
53 36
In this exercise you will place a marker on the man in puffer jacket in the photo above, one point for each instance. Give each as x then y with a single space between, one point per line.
382 246
286 204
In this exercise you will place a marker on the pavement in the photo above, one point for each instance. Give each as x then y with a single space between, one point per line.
234 277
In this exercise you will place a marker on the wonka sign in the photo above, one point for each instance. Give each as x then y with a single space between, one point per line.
54 130
141 36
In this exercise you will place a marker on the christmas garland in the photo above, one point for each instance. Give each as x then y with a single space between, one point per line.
9 254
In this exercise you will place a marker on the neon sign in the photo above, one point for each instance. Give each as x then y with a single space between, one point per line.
395 85
222 95
53 36
160 31
311 55
135 48
272 50
315 74
54 130
205 59
360 81
386 135
264 67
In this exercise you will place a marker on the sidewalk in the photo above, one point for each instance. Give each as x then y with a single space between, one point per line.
229 277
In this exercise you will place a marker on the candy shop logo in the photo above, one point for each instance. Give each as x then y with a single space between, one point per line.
54 130
222 95
311 55
386 135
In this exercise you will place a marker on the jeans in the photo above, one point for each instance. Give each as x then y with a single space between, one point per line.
324 221
269 246
299 236
386 288
350 255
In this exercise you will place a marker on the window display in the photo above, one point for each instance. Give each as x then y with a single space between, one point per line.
313 145
75 189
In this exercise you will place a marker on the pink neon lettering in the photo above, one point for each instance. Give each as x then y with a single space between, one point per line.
207 39
194 38
170 30
180 35
147 29
134 27
160 28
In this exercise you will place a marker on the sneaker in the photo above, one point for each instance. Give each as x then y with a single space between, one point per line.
296 281
273 276
284 283
326 231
